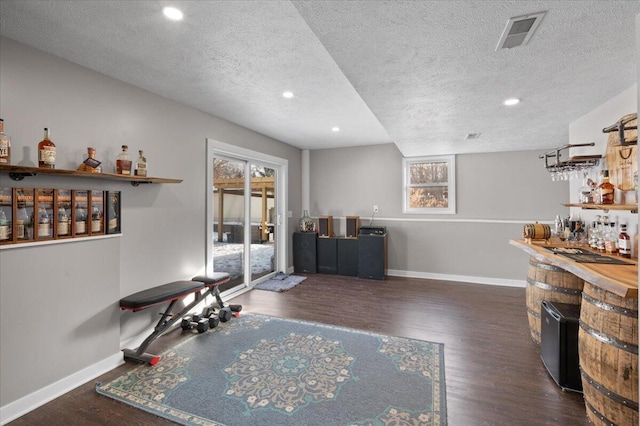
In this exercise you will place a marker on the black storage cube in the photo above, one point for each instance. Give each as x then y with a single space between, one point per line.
559 343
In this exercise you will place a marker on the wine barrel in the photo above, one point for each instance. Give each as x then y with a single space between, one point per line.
608 352
551 283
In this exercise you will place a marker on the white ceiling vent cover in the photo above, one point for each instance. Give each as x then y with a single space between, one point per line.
519 30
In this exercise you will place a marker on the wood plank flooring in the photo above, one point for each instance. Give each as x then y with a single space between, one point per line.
494 374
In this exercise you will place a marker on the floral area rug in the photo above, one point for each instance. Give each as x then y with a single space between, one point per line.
261 370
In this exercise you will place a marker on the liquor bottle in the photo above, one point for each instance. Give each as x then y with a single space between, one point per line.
606 189
90 165
96 220
44 224
5 226
5 145
123 164
611 239
81 220
23 224
141 164
624 242
46 152
585 194
63 222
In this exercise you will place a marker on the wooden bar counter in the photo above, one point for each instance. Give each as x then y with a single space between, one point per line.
621 280
608 331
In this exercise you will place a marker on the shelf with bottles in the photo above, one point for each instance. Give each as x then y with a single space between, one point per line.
29 215
18 173
606 207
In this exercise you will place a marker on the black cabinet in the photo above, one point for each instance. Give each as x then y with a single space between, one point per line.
559 343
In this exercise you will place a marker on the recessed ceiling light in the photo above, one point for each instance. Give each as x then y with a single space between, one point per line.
287 95
512 101
335 129
172 13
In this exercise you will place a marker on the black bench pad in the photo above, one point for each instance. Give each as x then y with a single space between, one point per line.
212 280
164 293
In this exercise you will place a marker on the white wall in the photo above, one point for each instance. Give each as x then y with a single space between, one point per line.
70 291
588 128
496 194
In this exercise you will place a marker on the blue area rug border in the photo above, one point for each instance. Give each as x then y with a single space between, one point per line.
163 410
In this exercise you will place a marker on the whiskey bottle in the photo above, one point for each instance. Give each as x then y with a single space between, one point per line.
5 226
123 164
5 145
23 222
63 222
141 164
81 220
46 152
90 165
44 224
606 189
624 242
96 220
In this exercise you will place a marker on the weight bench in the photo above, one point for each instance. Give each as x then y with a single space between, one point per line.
172 293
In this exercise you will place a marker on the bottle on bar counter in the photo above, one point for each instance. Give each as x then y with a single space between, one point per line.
605 190
47 152
123 163
44 224
624 242
5 145
141 164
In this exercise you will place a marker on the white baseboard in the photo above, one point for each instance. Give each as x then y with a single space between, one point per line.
30 402
461 278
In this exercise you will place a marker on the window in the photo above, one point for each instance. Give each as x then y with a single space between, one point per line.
429 184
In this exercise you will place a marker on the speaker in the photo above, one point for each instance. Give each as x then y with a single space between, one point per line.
353 223
372 256
327 256
325 226
348 256
304 252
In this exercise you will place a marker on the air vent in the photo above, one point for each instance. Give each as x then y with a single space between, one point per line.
519 30
472 136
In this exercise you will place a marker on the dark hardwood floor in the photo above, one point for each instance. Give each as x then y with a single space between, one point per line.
494 375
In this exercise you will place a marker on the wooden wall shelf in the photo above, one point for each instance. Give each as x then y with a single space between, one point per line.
18 173
630 207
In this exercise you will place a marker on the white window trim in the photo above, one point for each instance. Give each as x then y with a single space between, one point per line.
451 180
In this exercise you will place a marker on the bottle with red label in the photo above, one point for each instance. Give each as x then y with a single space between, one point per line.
624 242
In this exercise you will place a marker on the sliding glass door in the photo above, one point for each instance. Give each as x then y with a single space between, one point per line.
246 216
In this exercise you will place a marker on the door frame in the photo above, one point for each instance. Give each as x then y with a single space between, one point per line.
282 170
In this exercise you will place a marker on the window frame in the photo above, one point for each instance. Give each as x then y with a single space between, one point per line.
451 184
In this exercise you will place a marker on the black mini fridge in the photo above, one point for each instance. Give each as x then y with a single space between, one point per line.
559 343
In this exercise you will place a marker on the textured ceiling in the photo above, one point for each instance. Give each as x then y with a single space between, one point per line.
421 74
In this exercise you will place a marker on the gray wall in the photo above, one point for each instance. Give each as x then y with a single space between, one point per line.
70 291
496 194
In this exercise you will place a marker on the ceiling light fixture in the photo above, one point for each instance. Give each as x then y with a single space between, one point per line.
287 95
512 101
172 13
335 129
472 136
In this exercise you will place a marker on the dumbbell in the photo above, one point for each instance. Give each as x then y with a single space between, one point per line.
201 324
